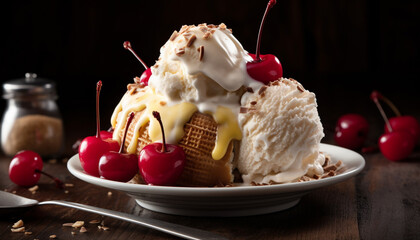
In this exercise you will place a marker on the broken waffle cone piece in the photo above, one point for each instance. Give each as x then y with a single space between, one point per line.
199 139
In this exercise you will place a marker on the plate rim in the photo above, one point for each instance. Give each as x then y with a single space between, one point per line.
74 167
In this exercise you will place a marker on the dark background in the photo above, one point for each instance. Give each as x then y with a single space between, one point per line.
341 50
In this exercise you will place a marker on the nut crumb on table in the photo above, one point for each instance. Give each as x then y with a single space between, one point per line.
18 224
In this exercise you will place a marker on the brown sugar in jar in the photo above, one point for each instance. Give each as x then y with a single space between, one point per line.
31 120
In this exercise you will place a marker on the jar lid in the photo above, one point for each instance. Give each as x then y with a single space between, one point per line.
30 86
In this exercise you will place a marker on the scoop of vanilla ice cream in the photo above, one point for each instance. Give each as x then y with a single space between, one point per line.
203 64
281 134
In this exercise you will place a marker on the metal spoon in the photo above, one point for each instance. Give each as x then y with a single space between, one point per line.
12 203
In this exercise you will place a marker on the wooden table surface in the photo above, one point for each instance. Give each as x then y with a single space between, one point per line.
382 202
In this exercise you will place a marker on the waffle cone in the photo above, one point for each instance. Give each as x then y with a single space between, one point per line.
198 143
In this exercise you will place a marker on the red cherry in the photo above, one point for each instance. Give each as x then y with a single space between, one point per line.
161 163
405 123
25 169
144 78
351 131
264 68
119 166
396 145
92 148
22 169
106 134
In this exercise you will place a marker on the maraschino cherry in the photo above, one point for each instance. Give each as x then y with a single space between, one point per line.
106 134
264 68
351 131
25 169
92 148
119 166
144 78
394 144
161 163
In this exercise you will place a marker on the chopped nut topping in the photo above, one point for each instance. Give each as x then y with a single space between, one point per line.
66 191
67 224
201 50
34 188
222 26
203 29
132 91
53 236
103 228
253 102
330 168
243 110
207 35
28 233
78 224
275 83
68 185
94 221
299 87
191 41
83 229
174 36
109 194
162 103
184 28
18 224
180 51
262 90
17 230
73 233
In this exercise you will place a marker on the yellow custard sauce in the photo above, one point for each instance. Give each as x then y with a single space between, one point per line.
174 117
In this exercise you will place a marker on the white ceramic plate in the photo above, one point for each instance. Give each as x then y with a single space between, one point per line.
226 201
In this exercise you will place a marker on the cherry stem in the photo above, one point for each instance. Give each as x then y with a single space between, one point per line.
127 45
391 105
130 118
98 121
376 94
57 181
270 4
157 116
381 110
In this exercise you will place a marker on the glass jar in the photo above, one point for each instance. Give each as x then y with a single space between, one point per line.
32 120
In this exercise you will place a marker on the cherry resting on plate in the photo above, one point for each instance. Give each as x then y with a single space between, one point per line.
161 163
351 131
144 78
25 169
119 166
92 148
395 145
264 68
399 122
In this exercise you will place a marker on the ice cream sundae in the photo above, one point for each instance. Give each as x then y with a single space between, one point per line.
232 113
